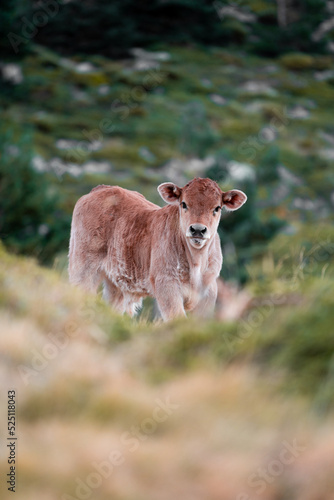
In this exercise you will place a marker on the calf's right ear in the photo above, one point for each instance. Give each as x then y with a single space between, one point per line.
170 192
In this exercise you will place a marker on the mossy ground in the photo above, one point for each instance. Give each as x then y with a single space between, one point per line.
129 110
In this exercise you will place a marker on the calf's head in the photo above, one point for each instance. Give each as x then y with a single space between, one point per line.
200 203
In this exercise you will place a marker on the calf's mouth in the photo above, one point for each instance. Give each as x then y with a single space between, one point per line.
197 241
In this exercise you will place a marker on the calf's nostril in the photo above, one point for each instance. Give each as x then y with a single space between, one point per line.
197 230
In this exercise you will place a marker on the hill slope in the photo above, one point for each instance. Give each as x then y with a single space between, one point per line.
109 408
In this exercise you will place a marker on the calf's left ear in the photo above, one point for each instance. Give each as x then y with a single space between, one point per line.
234 199
170 192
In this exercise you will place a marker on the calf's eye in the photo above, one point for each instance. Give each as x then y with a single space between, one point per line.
216 210
184 205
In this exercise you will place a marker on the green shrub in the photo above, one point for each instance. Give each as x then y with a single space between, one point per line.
197 136
297 61
309 252
244 234
300 340
273 38
111 28
9 23
31 218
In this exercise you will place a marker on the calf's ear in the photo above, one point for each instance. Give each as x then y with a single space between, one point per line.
170 192
234 199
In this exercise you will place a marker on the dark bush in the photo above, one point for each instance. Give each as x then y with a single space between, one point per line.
32 220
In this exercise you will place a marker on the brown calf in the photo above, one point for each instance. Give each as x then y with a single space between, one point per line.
139 249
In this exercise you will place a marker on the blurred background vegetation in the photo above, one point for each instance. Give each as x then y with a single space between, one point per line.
135 94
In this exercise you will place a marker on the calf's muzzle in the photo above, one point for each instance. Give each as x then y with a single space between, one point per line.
198 231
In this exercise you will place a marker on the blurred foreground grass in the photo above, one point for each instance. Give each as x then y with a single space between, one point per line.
109 408
189 409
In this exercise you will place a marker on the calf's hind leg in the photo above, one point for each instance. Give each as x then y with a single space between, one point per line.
113 295
84 268
84 274
129 303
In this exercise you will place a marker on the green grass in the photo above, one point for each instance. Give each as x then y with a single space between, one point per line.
153 116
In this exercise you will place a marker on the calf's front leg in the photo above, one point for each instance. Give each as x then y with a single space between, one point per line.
169 298
206 305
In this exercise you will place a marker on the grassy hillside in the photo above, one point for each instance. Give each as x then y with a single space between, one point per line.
234 409
142 112
262 125
191 409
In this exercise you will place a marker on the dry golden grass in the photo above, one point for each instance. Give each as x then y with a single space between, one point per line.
90 398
